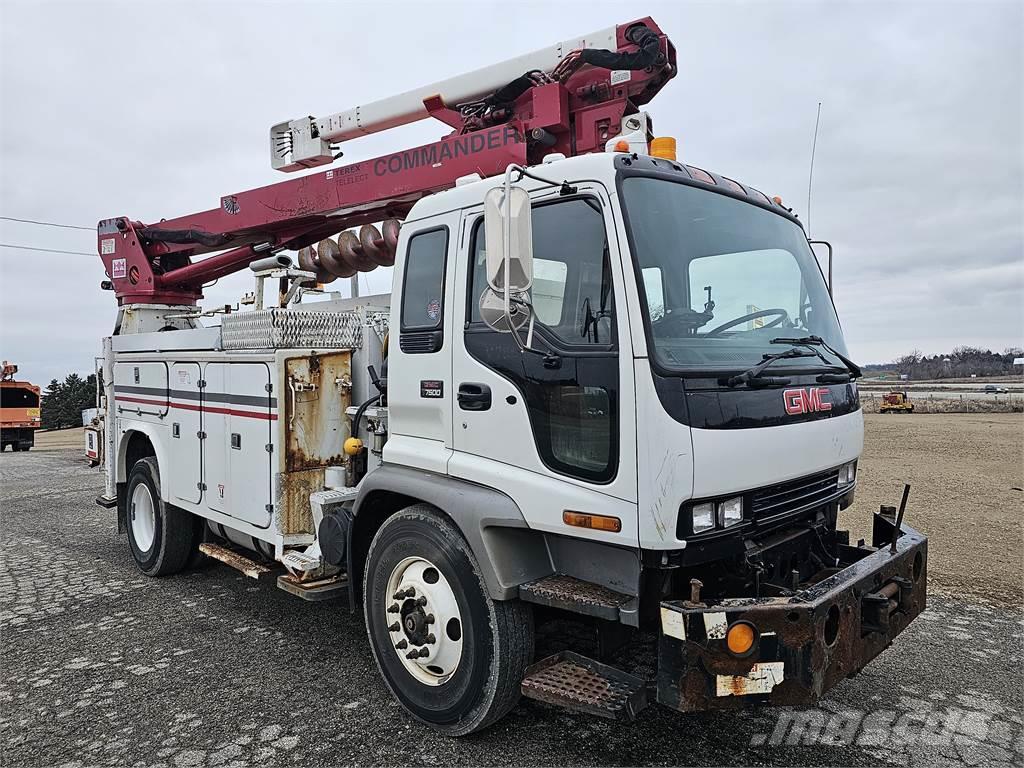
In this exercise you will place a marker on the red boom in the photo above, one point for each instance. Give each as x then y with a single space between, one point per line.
153 264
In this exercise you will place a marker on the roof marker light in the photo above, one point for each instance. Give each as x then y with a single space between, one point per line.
663 147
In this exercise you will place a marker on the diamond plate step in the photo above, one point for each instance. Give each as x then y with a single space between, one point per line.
576 595
585 685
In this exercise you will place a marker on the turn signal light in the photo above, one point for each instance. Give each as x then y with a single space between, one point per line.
622 145
594 522
740 638
663 147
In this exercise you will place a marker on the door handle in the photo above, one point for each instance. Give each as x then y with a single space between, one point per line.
474 397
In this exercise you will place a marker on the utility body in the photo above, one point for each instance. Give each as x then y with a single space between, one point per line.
607 385
19 410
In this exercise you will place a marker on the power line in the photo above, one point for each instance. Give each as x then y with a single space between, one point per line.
48 223
45 250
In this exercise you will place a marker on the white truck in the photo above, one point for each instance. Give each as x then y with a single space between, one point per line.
607 386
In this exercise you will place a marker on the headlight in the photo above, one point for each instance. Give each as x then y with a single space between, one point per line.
703 517
730 511
848 473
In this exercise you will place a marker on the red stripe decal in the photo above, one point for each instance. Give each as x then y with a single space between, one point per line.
265 416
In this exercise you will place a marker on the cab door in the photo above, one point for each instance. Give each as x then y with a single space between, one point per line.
553 428
420 392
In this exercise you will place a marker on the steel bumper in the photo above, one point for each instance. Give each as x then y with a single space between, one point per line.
807 642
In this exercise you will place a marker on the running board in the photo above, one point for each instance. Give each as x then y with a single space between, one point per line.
236 560
315 591
578 596
585 685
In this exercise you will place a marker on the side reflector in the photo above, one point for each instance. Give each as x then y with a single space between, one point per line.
594 522
740 638
622 146
663 147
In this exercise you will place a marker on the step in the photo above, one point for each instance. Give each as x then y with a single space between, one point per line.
576 595
585 685
317 590
235 559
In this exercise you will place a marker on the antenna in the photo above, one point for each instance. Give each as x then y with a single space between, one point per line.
810 173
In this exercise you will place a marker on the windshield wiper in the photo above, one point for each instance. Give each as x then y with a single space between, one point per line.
753 378
808 341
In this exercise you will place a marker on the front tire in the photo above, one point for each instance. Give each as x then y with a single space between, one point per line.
423 591
160 535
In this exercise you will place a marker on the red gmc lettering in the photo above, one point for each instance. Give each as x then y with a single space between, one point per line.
811 400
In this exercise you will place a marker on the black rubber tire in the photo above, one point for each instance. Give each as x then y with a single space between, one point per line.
498 635
173 539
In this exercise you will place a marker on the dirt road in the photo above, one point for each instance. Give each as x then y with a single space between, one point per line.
966 473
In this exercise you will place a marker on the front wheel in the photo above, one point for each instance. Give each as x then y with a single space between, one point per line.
451 655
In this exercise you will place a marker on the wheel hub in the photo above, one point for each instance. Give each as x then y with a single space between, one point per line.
424 621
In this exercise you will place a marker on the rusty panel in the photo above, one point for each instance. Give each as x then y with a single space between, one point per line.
317 389
292 513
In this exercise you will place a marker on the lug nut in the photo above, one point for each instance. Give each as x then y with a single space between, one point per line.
430 618
401 645
394 627
421 601
431 639
394 608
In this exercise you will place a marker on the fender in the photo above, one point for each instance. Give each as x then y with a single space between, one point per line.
507 551
151 432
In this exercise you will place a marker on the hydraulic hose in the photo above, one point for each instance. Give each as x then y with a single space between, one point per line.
360 412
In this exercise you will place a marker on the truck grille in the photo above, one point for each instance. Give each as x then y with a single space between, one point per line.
794 496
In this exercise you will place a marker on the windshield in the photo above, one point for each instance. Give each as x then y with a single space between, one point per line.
721 278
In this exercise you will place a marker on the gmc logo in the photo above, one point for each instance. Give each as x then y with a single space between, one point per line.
810 400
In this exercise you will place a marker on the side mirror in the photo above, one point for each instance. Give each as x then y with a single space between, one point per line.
508 233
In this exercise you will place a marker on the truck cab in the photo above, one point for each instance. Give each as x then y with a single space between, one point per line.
624 463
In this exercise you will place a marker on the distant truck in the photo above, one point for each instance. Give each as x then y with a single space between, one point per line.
896 402
19 410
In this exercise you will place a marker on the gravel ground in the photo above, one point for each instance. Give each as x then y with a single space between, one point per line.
103 666
966 473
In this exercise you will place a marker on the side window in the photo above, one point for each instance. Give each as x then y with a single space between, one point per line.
571 398
571 292
423 292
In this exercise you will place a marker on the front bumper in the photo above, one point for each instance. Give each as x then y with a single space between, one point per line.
806 643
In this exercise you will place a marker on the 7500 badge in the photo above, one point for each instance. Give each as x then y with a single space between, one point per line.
432 388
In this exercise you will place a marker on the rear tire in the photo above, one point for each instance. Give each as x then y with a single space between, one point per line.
481 647
160 535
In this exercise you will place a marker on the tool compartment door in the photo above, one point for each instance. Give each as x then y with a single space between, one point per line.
183 476
215 440
252 412
140 391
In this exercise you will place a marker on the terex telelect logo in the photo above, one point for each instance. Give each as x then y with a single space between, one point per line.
809 400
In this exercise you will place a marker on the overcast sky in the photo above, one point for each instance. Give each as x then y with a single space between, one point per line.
154 110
